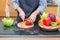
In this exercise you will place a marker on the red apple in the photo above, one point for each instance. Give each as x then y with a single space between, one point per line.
47 21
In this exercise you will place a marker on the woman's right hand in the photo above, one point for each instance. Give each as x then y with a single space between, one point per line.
22 14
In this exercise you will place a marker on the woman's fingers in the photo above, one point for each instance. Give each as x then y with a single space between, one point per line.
32 19
22 16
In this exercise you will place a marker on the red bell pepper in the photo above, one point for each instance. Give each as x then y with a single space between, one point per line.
47 21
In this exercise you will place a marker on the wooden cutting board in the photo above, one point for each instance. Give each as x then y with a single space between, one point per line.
23 25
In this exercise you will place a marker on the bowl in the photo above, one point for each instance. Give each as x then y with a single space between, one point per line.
49 28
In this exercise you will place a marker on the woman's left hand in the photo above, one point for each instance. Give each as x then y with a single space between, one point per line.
33 17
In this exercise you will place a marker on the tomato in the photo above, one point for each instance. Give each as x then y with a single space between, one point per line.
28 21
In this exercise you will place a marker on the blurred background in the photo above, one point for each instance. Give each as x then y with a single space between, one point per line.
52 7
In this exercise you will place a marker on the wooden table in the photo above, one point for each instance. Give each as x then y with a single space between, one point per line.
29 38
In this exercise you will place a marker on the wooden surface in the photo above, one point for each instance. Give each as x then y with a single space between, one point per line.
2 8
2 3
51 9
29 38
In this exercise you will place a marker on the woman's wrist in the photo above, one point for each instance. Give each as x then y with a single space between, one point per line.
36 12
19 9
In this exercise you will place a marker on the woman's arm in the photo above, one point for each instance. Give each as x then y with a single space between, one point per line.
41 7
15 4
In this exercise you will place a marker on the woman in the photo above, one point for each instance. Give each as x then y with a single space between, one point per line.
29 9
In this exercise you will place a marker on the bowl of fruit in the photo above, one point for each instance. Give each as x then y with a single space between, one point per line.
27 24
49 22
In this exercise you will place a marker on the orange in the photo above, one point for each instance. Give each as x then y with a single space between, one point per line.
58 21
41 21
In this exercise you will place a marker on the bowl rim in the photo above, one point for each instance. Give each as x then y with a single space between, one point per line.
49 27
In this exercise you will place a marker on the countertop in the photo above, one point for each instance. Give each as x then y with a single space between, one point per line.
16 33
29 38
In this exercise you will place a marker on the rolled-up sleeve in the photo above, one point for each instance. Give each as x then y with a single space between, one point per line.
15 3
42 5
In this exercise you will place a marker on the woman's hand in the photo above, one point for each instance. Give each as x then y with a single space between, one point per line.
34 15
22 15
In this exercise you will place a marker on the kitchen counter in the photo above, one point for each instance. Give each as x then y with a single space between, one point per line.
30 39
52 5
34 33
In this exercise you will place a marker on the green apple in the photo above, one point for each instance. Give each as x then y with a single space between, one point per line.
44 15
53 24
7 21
